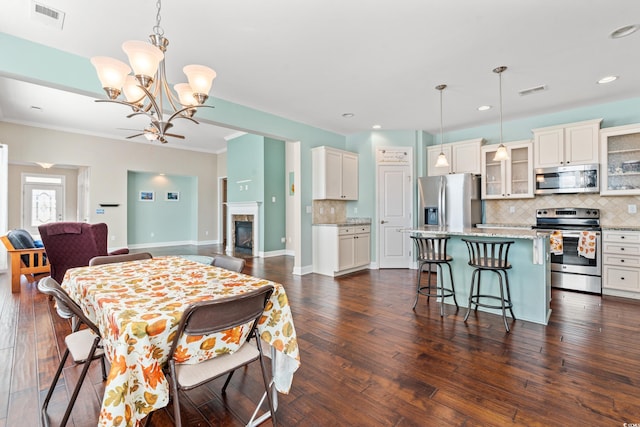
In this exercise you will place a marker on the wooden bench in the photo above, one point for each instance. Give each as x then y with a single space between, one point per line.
31 262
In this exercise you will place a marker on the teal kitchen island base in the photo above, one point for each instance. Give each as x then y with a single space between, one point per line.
529 277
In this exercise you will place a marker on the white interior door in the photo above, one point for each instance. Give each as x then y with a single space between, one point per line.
395 207
42 201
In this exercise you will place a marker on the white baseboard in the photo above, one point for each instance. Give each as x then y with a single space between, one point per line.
301 271
208 242
271 253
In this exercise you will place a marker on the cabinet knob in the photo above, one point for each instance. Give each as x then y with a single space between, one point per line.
622 237
383 222
621 260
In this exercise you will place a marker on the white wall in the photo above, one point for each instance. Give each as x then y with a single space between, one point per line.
3 202
109 161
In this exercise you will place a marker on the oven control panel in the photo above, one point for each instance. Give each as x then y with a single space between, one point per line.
568 213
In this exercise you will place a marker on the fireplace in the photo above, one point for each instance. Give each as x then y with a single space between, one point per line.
243 228
243 236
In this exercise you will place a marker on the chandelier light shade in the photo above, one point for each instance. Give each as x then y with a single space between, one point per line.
146 90
442 161
501 153
112 74
200 79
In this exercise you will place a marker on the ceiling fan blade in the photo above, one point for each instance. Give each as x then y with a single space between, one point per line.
174 135
133 136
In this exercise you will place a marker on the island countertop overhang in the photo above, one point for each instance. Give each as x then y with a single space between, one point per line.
508 233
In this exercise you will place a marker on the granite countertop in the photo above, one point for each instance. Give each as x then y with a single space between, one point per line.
509 233
621 228
348 222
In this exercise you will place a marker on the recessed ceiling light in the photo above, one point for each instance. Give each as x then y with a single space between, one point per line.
348 115
607 79
484 107
377 126
625 31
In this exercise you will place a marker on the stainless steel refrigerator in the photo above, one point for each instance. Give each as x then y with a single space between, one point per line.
451 201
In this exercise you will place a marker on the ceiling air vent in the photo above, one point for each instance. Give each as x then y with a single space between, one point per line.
532 90
47 15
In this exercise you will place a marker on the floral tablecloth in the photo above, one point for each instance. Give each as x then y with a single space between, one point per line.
137 306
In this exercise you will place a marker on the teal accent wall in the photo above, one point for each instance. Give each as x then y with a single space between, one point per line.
275 185
245 169
169 221
256 173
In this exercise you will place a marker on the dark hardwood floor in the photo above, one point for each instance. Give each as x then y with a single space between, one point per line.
368 359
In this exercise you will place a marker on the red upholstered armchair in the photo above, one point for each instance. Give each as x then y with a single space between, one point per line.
73 244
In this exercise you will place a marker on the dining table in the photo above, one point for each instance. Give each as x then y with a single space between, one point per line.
137 306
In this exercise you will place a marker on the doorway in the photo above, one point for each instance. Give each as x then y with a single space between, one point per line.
394 168
42 201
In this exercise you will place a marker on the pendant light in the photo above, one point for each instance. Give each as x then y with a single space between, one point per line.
442 159
501 153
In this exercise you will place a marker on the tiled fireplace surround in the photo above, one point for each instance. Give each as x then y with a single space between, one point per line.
243 211
613 209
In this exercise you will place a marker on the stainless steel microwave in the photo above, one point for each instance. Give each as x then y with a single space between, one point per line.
568 179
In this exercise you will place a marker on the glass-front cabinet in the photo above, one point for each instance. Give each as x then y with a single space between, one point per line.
508 179
620 155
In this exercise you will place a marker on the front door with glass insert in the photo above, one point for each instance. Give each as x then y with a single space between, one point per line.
42 202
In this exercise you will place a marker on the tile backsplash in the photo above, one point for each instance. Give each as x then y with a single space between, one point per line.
329 212
613 209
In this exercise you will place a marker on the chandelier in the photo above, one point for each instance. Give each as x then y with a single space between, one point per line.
147 89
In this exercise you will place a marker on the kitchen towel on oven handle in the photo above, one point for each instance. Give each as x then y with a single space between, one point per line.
556 243
587 244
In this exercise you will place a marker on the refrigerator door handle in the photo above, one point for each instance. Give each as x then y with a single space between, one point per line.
442 205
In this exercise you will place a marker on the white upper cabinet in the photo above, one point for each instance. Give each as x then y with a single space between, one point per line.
463 157
620 171
568 144
508 179
334 174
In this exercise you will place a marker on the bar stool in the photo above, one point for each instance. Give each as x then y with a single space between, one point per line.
432 250
486 255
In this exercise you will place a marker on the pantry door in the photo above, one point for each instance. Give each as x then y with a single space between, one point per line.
395 206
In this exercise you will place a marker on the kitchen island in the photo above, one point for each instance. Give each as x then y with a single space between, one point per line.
529 277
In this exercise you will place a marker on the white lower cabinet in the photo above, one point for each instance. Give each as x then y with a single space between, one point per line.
621 263
341 249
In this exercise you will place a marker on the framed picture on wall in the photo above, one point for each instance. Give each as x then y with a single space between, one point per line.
172 196
146 196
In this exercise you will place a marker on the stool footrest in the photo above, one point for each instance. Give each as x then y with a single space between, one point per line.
475 299
435 291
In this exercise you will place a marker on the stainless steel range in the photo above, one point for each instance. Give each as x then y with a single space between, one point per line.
571 268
